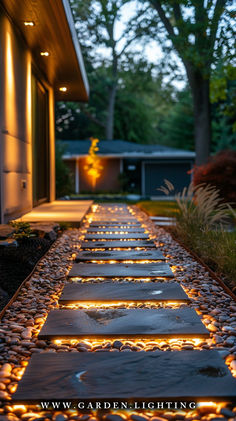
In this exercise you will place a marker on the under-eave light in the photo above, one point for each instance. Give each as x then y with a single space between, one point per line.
44 53
29 23
63 89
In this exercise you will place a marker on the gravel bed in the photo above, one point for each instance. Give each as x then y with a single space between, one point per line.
24 318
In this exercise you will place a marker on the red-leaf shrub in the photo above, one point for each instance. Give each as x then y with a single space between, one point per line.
219 172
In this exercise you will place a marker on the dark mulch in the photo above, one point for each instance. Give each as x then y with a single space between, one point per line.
17 263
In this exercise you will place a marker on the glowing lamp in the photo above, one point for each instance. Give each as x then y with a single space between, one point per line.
63 89
29 23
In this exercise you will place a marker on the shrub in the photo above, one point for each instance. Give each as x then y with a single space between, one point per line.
220 172
22 230
199 226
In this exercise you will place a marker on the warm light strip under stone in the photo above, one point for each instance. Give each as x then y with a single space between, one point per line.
129 323
151 270
184 375
108 292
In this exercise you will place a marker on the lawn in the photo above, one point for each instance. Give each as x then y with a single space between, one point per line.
159 207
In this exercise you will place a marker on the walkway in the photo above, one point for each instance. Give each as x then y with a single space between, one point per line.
119 303
59 211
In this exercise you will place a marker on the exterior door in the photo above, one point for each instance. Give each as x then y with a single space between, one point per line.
156 172
40 142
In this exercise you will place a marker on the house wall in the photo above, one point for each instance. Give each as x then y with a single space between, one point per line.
107 182
16 171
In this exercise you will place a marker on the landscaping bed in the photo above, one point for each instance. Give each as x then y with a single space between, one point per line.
214 243
18 260
216 249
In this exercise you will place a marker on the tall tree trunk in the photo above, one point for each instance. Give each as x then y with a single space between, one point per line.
202 116
110 113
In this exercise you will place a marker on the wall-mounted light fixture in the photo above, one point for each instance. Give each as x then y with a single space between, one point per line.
63 89
29 23
44 53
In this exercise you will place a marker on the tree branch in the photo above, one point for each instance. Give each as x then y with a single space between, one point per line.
91 117
219 8
177 12
127 45
164 18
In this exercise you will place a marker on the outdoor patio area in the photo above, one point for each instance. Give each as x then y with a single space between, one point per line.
59 211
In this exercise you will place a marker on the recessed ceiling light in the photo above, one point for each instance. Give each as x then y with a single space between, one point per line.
63 89
44 53
29 23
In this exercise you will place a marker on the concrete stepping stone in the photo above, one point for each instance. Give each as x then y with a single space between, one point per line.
117 244
136 255
126 292
165 223
120 270
116 219
116 230
113 223
162 218
123 323
179 375
130 236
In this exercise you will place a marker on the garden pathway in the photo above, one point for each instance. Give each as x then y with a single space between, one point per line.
121 288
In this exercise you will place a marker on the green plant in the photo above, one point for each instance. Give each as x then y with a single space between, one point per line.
219 172
199 225
65 225
201 205
22 230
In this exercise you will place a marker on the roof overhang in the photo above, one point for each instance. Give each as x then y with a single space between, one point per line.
54 31
163 155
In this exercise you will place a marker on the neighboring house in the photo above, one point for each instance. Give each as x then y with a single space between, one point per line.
40 62
144 167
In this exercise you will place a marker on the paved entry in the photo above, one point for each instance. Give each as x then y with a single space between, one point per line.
120 286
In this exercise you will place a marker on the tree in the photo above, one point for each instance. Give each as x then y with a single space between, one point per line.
223 99
96 24
198 30
175 126
142 99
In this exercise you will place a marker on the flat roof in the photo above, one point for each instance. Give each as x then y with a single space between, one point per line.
53 31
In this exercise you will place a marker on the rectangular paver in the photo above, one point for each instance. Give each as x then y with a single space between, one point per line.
125 292
113 217
116 224
131 236
195 375
116 230
117 244
123 323
135 270
136 255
